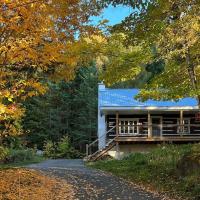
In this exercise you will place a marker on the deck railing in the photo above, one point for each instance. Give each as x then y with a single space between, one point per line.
160 129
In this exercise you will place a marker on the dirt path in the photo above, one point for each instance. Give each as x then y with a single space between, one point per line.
91 184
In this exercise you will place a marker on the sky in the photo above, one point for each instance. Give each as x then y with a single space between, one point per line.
113 14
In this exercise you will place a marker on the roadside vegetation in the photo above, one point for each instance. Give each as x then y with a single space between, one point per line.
170 169
17 154
10 157
61 149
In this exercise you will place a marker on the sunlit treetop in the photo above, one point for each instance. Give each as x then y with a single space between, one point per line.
172 28
36 38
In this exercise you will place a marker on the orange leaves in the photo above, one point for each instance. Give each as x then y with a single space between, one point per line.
36 38
24 184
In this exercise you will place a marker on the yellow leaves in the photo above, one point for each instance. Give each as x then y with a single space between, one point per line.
38 40
95 39
15 111
2 109
25 184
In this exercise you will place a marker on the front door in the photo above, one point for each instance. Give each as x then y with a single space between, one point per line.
156 126
128 127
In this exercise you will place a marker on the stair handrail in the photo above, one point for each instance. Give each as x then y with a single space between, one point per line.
95 141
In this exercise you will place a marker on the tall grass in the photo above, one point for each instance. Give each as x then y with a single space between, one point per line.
158 169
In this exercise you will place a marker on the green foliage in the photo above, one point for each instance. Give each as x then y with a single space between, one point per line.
9 155
14 142
195 152
83 118
171 30
67 108
61 149
49 149
65 150
159 169
3 153
20 155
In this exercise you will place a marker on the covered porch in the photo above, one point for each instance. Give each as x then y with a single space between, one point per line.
152 124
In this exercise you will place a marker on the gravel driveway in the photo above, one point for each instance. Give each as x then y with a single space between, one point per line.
91 184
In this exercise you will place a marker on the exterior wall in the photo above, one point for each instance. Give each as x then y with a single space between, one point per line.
101 131
101 122
126 149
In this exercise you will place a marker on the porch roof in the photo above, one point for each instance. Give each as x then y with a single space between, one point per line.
124 99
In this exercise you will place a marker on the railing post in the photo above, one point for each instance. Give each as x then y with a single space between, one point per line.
87 153
117 123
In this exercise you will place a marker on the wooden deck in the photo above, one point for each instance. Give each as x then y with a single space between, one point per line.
158 139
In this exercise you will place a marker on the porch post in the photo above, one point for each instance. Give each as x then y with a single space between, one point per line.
181 122
149 126
117 156
117 123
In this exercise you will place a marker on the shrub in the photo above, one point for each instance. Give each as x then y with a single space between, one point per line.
20 155
14 142
195 152
49 149
62 149
3 153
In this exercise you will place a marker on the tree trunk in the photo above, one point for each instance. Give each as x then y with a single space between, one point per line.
192 76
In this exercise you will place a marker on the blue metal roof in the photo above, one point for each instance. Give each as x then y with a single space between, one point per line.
125 98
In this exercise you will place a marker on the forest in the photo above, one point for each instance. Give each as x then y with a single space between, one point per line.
49 75
52 58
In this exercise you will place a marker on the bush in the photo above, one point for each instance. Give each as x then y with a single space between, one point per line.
49 149
3 153
62 149
16 155
20 155
14 142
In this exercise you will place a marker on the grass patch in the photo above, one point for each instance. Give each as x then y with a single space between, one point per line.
158 170
36 159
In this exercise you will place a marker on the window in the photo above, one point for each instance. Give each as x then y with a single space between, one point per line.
186 126
128 126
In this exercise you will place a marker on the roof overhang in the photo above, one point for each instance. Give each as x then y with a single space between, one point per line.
107 109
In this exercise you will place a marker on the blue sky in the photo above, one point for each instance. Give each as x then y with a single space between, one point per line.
113 14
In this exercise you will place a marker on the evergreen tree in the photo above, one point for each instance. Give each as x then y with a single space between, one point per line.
84 117
68 108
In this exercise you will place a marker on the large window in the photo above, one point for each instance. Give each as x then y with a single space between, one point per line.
128 126
186 126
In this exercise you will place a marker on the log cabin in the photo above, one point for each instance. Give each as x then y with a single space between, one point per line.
126 125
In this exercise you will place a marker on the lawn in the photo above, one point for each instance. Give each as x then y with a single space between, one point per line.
162 170
35 159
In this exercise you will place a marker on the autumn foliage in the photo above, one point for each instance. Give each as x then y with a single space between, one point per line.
36 41
24 184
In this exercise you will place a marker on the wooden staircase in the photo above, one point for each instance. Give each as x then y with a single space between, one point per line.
93 156
98 154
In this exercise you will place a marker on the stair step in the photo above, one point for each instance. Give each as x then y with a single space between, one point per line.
101 152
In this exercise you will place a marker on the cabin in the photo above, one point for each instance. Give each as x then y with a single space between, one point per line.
127 125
